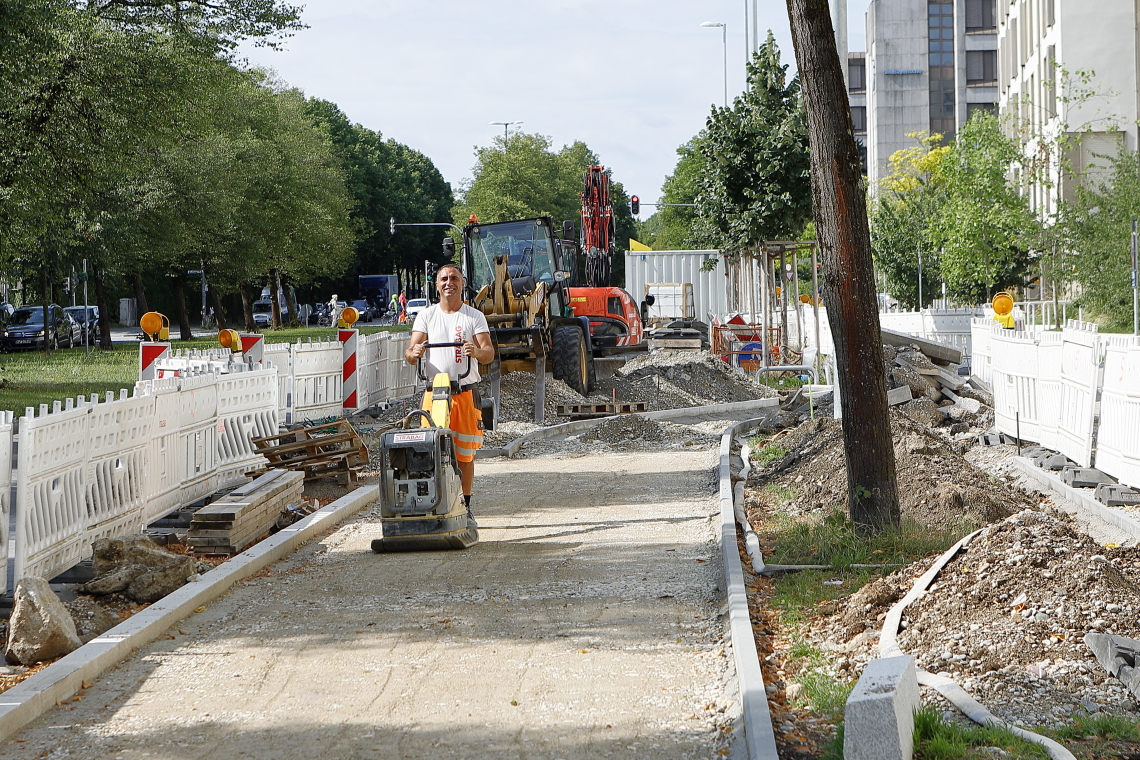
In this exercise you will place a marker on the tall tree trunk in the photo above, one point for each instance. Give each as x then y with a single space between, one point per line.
275 296
180 304
247 300
104 310
141 306
219 312
290 301
840 211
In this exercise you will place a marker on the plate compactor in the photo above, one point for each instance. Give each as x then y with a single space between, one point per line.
421 498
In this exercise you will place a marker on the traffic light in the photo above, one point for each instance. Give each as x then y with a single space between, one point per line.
392 225
635 205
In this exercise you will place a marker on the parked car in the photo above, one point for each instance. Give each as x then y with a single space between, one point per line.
25 329
415 306
88 318
263 312
367 313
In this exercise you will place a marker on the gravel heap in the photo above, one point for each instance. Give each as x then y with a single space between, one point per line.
936 485
1006 619
672 379
516 399
928 398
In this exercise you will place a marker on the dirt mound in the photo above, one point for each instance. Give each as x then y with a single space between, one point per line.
675 379
936 485
624 429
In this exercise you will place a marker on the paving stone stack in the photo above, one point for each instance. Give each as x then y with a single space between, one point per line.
230 524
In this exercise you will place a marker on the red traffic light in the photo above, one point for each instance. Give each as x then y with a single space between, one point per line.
635 205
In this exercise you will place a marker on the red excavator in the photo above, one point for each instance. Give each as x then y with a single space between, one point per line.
615 319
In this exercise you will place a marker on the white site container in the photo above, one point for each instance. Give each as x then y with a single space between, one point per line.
671 300
648 267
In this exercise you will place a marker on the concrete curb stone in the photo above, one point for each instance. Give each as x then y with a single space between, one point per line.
32 698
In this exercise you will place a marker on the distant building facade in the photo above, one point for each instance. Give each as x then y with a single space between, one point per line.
857 97
1039 41
929 65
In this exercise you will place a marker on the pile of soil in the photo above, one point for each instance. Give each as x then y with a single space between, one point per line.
936 484
1006 619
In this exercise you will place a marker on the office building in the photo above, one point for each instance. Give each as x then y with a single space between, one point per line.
929 65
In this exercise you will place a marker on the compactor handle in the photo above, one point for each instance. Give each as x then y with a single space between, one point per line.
419 364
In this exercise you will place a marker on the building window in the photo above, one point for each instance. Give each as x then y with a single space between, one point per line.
856 74
981 67
862 156
980 16
941 56
1050 13
859 118
1051 82
990 108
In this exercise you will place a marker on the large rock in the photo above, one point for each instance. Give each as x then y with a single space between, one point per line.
919 385
922 411
40 628
155 584
116 579
109 554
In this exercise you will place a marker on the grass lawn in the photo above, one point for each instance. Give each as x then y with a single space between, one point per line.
31 378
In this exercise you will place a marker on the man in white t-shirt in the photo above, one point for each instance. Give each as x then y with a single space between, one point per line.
452 321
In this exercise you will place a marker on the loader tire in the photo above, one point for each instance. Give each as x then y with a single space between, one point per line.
573 365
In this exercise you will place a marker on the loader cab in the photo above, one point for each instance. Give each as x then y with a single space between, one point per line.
533 255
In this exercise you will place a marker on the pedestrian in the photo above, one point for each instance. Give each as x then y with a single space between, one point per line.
403 306
452 321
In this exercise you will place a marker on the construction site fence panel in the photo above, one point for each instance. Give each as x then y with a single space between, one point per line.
1074 391
93 468
5 492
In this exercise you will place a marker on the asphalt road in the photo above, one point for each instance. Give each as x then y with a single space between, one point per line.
587 624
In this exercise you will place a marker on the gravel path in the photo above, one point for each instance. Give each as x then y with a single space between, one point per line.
588 623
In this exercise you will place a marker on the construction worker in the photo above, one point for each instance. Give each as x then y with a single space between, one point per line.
452 321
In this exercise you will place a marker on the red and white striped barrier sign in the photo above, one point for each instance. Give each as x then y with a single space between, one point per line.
348 340
149 355
253 347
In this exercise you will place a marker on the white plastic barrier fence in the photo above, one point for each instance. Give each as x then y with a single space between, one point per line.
1014 383
1049 349
1080 378
950 326
981 349
91 469
5 492
1118 441
316 380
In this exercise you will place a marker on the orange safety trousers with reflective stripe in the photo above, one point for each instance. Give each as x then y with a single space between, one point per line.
465 421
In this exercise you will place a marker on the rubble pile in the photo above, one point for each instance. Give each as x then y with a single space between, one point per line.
939 395
1006 619
516 397
936 484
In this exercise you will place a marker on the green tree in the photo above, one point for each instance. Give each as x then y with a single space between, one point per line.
909 196
755 181
984 227
1099 230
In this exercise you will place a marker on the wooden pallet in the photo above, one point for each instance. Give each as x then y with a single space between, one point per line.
334 450
233 522
593 411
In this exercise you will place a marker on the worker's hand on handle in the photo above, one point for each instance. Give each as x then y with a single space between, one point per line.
415 352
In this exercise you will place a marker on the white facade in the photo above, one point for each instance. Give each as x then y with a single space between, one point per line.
1100 39
929 65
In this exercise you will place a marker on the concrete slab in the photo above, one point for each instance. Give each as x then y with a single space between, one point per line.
1118 655
879 717
899 395
1127 526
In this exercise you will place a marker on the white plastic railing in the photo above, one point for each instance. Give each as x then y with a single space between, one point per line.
981 349
1014 384
1118 440
1080 377
5 492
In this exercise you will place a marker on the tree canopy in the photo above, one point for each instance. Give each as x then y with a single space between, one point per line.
754 176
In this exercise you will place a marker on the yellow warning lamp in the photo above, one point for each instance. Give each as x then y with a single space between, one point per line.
230 339
805 298
348 317
1003 309
155 325
472 219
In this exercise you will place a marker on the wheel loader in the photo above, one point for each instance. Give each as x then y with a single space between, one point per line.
519 274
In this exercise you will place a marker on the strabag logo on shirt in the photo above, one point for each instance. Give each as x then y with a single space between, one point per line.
458 339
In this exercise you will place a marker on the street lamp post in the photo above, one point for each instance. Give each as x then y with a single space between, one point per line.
506 125
724 41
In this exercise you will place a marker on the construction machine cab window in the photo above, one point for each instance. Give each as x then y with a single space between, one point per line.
526 244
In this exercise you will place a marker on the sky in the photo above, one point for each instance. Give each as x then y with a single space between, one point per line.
633 79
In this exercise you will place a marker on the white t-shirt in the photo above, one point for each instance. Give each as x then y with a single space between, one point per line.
440 327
